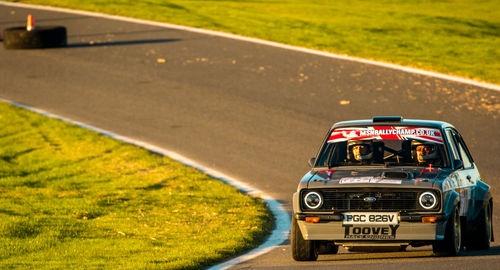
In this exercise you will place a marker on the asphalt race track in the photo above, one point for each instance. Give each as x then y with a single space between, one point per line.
251 111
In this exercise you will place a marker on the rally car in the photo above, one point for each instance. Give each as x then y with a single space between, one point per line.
391 182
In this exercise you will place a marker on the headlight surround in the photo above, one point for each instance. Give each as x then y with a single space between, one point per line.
428 200
313 200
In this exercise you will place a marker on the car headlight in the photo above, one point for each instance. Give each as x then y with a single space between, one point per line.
313 200
427 200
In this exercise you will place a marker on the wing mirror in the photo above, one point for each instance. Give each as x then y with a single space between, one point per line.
458 164
312 161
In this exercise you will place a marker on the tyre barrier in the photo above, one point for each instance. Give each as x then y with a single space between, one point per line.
38 38
30 37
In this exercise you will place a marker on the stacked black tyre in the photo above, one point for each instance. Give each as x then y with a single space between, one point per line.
37 38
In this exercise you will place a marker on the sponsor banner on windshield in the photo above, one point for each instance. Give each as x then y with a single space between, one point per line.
386 133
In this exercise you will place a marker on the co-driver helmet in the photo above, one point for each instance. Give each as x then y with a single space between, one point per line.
430 154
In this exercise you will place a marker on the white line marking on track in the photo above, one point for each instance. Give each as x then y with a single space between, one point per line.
281 217
263 42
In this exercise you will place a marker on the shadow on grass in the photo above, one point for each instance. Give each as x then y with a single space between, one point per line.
156 186
9 212
10 158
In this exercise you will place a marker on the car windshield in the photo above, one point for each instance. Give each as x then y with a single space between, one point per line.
384 146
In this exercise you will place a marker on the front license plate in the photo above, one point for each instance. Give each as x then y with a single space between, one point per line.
379 218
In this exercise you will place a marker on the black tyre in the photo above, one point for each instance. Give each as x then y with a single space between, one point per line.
302 250
39 37
483 233
450 245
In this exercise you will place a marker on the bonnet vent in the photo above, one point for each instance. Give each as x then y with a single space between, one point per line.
397 175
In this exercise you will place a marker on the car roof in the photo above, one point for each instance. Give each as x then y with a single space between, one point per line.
393 121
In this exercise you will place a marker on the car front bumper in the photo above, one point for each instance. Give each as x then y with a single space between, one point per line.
408 228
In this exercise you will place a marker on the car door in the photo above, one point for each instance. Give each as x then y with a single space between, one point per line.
468 176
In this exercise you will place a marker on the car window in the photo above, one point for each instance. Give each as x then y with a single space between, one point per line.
462 149
464 145
325 154
449 136
465 158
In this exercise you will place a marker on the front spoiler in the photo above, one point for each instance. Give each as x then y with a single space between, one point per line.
409 228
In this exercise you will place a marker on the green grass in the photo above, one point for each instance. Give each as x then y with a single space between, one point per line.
460 37
71 198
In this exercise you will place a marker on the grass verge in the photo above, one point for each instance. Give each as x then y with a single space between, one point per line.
71 198
460 37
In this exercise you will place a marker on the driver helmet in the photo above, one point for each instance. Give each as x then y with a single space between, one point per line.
425 151
360 150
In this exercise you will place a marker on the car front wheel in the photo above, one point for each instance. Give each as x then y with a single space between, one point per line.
450 245
302 250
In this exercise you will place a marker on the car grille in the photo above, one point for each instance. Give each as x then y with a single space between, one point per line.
387 200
